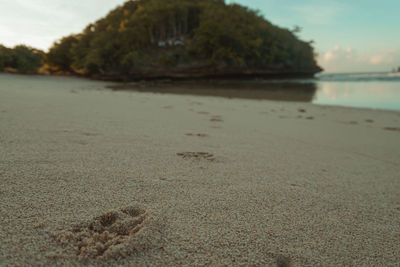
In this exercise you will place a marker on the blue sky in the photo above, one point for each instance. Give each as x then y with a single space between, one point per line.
355 35
349 35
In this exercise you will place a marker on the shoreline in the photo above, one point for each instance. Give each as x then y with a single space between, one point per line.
205 180
274 90
176 77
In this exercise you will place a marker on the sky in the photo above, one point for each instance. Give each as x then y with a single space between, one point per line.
349 36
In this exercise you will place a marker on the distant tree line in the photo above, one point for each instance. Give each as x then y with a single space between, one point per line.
22 59
146 34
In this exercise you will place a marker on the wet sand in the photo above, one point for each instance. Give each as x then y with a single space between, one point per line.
91 176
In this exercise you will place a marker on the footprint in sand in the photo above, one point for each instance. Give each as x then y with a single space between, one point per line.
397 129
283 261
216 119
369 121
348 122
203 112
197 134
196 155
307 118
79 142
104 236
89 134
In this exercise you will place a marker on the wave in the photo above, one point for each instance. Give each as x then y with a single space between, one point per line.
356 77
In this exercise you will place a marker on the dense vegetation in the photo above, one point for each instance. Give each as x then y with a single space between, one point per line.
154 35
20 59
158 38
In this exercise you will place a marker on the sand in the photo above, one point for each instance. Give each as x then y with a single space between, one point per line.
91 176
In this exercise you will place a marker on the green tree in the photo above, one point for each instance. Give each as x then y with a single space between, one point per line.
21 59
141 35
60 55
5 57
26 59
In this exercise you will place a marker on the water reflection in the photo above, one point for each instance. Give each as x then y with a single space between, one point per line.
366 93
281 91
382 95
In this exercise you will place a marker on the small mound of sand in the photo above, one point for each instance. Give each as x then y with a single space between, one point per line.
106 236
196 155
197 134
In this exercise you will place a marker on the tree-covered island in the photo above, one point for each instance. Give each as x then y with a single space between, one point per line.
150 39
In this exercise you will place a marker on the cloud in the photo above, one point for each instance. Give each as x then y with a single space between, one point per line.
348 59
41 22
339 58
385 56
339 53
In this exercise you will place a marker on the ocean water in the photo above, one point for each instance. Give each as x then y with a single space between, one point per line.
367 90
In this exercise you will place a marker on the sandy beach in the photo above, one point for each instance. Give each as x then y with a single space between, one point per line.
92 176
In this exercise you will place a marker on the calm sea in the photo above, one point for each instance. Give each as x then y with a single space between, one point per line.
369 90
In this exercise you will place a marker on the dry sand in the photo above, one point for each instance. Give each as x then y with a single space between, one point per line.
96 177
